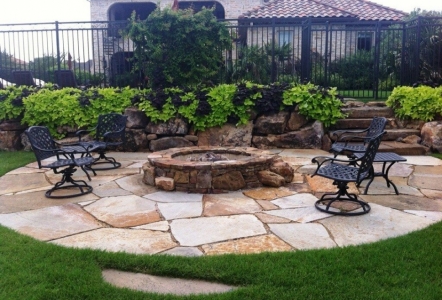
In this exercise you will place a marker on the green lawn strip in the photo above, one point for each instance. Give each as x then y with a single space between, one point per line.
364 94
407 267
11 160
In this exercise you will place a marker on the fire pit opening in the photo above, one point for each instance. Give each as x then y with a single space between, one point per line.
215 169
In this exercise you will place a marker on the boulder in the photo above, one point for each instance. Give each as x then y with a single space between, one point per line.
135 140
411 139
272 123
284 169
12 125
227 135
171 127
431 135
270 178
169 142
165 183
136 119
296 121
149 174
10 140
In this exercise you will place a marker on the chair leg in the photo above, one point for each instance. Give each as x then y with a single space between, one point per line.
104 160
67 182
341 195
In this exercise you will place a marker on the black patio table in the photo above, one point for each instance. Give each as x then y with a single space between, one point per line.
389 158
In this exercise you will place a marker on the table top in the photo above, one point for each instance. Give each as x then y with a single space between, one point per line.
384 157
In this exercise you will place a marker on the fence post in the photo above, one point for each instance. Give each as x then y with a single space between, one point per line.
377 53
272 70
57 41
305 50
418 50
326 60
404 38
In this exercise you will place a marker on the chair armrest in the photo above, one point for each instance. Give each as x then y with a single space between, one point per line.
339 133
82 132
113 134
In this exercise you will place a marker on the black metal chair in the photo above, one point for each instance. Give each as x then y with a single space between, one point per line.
23 78
45 147
65 78
109 132
355 141
343 171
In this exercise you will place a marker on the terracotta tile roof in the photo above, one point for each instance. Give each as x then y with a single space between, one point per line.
363 10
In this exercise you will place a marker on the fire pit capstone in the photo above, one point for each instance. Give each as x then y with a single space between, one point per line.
215 169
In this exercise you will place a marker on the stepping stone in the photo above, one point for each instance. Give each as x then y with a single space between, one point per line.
36 200
267 193
184 251
120 240
163 285
171 197
50 222
229 204
124 211
380 223
258 244
303 236
207 230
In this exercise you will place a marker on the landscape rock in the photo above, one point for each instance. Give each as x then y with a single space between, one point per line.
165 183
171 127
270 178
136 119
272 123
169 142
431 135
296 121
10 140
227 135
231 181
284 169
411 139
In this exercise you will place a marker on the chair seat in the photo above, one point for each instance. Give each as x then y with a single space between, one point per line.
344 173
94 145
340 147
81 161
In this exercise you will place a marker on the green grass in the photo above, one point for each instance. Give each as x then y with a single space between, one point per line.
366 95
12 160
407 267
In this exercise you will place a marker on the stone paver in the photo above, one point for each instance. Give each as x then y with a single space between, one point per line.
161 226
110 189
206 230
301 215
50 222
405 202
229 204
120 240
180 210
184 251
23 182
268 193
295 201
174 197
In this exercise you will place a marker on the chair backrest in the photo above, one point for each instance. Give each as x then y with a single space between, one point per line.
65 78
23 78
366 161
41 139
376 127
115 123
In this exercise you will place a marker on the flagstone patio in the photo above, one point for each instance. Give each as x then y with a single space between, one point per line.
124 214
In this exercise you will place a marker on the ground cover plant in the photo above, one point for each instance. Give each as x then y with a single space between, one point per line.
407 267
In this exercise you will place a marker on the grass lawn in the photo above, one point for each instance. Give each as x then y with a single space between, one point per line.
407 267
364 95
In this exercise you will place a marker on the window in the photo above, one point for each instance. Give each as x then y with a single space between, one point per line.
365 40
285 37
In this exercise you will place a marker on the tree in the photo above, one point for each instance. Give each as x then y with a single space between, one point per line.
174 48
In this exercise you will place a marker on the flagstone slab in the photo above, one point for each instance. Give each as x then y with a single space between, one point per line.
161 226
25 170
398 169
379 187
266 205
300 215
426 181
432 215
258 244
162 285
422 160
180 210
298 187
207 230
135 185
137 164
433 194
229 204
380 223
124 211
22 182
184 251
309 153
323 185
120 240
130 156
110 189
303 236
433 170
50 222
36 200
266 218
404 202
267 193
170 197
296 162
295 201
307 169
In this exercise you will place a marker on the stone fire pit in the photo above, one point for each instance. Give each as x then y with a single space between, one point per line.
185 169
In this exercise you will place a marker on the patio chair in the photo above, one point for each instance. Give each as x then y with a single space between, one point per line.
343 171
45 147
23 78
109 132
65 78
355 141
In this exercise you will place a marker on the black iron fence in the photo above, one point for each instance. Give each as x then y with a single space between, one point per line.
362 59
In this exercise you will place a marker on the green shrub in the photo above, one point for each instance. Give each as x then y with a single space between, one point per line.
421 103
355 70
11 101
